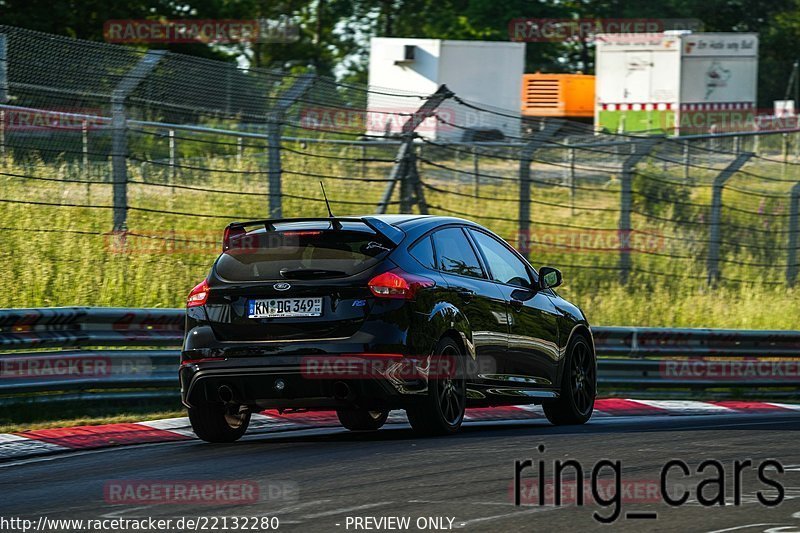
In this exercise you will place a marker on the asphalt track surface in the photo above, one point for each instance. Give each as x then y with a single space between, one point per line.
332 475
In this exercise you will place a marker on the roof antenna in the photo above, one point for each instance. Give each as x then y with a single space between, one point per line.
327 204
335 223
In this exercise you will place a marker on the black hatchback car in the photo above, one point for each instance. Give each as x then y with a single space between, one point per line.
363 315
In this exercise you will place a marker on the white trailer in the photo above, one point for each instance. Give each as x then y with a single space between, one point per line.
484 73
676 83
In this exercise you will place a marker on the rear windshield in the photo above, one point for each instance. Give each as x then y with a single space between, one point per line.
301 254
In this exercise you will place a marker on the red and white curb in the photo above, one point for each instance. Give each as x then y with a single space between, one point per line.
47 441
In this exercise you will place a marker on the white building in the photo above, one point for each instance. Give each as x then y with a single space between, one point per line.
676 82
484 73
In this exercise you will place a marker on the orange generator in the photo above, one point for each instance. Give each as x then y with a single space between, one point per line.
558 95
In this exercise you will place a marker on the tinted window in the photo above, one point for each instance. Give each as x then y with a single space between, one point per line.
454 254
423 252
503 264
300 255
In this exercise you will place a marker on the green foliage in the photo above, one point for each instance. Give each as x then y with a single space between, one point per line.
335 34
663 198
77 261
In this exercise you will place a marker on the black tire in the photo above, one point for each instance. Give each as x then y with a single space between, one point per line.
362 419
441 410
215 423
578 386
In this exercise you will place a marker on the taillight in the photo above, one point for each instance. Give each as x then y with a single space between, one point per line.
199 295
398 284
231 233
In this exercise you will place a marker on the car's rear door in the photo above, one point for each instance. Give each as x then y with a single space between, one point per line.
479 299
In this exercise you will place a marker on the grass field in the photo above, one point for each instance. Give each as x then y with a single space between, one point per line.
59 256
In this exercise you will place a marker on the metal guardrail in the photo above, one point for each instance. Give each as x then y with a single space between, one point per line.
45 357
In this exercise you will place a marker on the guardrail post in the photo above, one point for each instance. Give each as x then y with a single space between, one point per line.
639 151
404 170
526 158
716 213
274 124
119 132
794 229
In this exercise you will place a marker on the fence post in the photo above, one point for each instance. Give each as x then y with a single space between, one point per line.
415 184
119 133
363 161
85 146
406 191
172 156
395 176
404 170
3 92
274 171
3 69
572 190
2 133
274 122
640 151
716 213
476 171
526 158
794 230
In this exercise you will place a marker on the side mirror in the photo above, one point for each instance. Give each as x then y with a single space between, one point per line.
549 278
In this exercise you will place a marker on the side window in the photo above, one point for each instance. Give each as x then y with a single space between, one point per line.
454 253
505 267
423 252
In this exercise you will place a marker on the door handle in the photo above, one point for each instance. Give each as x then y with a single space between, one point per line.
466 294
517 305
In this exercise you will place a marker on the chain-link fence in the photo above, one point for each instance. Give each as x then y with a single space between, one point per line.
120 167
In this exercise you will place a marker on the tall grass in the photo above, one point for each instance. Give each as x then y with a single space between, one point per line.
77 262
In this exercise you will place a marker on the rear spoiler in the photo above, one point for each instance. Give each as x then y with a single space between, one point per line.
380 227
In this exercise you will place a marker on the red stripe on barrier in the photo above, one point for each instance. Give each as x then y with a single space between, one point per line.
750 406
620 407
82 437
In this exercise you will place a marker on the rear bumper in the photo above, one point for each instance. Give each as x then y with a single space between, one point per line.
312 381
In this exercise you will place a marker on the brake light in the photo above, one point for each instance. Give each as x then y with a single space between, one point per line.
230 234
199 295
398 284
378 355
300 233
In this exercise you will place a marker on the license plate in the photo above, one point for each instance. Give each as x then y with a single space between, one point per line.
284 307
